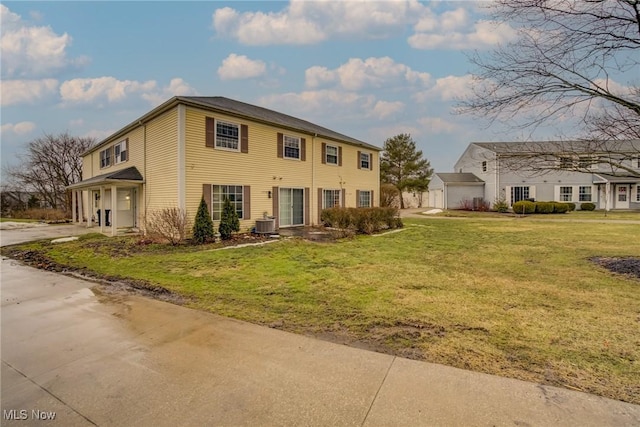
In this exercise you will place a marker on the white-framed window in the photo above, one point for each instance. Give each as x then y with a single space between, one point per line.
566 193
120 152
105 158
227 135
484 166
365 161
519 193
235 195
364 199
638 193
291 147
331 155
331 198
584 193
566 163
636 162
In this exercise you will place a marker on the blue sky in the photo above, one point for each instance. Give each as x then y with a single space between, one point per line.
368 69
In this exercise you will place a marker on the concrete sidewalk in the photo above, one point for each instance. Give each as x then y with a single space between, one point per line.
94 358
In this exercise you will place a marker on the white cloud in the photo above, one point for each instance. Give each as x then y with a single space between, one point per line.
26 91
330 103
237 67
102 89
21 128
357 74
176 87
99 135
434 125
385 109
31 51
448 88
453 31
308 22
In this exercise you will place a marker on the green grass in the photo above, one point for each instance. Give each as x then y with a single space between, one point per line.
513 298
18 220
597 215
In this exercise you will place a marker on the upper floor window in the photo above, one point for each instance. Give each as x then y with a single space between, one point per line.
120 152
364 162
105 158
227 135
331 155
636 162
565 162
484 166
291 147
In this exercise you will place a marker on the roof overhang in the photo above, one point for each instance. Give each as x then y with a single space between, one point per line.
614 179
124 177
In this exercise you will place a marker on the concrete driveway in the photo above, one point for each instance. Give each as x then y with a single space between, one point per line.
14 233
72 351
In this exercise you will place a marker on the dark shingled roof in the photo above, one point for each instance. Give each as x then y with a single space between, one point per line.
453 177
128 174
622 146
263 114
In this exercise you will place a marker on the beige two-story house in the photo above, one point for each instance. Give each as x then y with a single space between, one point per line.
266 163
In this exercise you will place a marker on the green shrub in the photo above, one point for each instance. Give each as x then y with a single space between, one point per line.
203 225
501 205
229 221
544 207
524 207
361 220
587 206
559 207
572 206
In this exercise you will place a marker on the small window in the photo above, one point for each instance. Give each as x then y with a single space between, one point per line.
365 161
584 193
330 198
364 199
291 147
227 135
331 155
636 162
566 162
232 192
120 152
638 193
105 158
566 194
484 166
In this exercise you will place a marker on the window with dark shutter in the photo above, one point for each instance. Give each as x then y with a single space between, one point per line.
210 132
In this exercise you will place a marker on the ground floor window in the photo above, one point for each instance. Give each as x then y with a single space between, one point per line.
519 193
566 193
364 199
330 198
638 193
232 192
584 193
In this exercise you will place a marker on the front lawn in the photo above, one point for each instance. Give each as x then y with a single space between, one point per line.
514 298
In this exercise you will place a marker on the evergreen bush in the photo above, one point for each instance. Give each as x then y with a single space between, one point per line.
229 221
524 207
587 206
203 225
544 207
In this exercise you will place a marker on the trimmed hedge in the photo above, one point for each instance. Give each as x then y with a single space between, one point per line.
572 206
560 207
524 207
544 207
587 206
362 220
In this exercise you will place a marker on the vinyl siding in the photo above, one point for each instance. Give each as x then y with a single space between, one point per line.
161 176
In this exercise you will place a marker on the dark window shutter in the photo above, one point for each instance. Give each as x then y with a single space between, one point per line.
280 144
244 138
319 205
303 149
307 206
370 161
206 194
210 132
357 198
275 191
339 156
125 157
359 152
373 203
246 202
324 153
344 198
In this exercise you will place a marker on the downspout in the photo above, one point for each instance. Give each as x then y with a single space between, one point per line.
145 186
313 177
497 180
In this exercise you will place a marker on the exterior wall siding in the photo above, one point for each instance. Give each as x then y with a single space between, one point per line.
161 175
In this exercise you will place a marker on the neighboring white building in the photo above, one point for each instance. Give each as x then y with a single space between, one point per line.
606 187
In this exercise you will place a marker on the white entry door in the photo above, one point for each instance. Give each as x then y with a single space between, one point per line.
291 207
622 196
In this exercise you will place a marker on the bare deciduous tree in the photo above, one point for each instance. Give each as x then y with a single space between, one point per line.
49 165
564 65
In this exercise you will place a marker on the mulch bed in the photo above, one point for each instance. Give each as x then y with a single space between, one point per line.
629 266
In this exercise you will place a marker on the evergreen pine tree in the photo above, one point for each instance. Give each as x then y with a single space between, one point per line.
203 225
229 221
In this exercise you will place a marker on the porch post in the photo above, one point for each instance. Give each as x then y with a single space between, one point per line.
102 216
114 200
81 206
90 198
74 206
607 192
